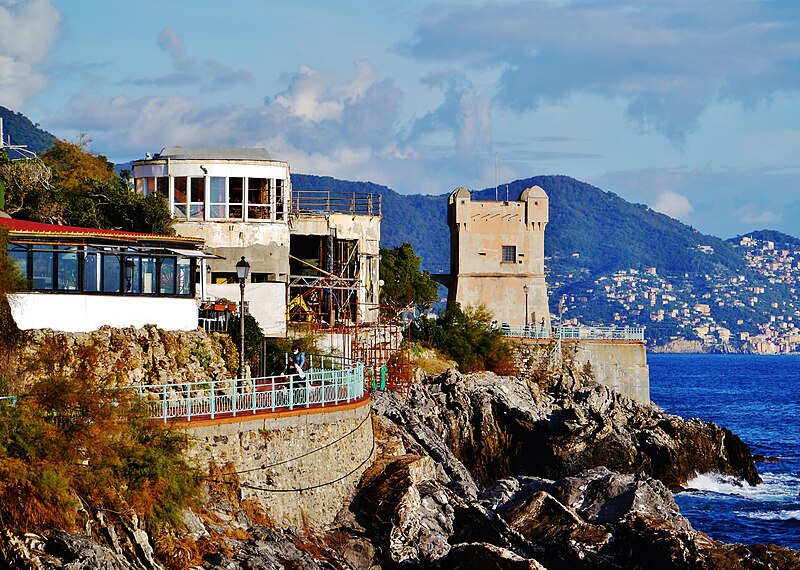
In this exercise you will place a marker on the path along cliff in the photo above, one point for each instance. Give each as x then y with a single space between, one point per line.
472 471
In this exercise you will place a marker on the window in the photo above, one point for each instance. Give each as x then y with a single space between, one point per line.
509 254
91 275
235 198
149 276
42 268
258 199
67 268
19 255
167 276
197 195
279 199
111 273
216 198
180 195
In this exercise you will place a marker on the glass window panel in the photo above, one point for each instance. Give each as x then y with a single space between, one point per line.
111 273
217 211
217 190
91 276
180 197
68 268
279 203
42 268
258 198
184 276
162 186
167 276
19 255
132 275
197 195
235 197
198 192
149 276
139 184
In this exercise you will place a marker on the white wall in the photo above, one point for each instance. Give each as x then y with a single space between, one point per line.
84 313
267 303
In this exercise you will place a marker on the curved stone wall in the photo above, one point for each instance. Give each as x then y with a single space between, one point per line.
300 466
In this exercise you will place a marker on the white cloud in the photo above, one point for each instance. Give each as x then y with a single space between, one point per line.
667 60
673 204
27 32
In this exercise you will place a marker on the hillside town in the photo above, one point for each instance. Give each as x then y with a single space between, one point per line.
755 310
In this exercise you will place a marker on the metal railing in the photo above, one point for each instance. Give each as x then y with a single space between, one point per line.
323 202
329 381
575 333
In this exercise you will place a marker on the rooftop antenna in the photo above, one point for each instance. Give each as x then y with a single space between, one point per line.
20 148
495 177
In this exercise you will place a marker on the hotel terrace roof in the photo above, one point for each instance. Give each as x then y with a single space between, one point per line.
26 229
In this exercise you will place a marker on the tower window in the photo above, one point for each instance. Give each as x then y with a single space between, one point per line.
509 253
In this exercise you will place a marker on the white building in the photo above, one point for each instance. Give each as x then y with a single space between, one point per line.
313 255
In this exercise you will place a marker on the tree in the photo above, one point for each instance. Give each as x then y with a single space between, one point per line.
71 185
403 283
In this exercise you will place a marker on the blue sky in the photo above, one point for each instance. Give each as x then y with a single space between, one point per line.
689 106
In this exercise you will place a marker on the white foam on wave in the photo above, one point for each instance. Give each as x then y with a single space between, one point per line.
774 515
776 486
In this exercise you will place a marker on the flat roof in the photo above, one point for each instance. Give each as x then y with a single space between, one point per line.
24 228
179 152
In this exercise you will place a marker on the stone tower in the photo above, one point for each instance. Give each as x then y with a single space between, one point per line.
496 249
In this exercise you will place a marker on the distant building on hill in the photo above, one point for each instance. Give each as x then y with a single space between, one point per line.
497 255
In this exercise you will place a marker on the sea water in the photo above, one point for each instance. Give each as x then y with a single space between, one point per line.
758 398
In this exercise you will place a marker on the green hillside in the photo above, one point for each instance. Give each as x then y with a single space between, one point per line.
23 132
606 232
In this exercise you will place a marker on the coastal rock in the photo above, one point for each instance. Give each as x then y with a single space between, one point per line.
501 426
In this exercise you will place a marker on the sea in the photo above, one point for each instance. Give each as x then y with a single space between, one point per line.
758 398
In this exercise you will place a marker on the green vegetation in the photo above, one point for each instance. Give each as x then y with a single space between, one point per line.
253 336
71 185
468 338
403 283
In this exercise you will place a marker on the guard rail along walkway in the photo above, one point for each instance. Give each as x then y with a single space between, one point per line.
329 381
575 333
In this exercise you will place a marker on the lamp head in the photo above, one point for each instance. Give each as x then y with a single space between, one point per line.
242 269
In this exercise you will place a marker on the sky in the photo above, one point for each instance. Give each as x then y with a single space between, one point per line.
691 107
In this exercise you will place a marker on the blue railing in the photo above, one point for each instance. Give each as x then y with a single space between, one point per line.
328 382
575 333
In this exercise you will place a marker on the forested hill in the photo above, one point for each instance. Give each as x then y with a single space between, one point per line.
776 237
22 131
605 231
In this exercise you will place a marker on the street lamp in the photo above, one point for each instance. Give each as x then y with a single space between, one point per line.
242 269
525 289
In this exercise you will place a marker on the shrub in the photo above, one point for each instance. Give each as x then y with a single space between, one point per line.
468 338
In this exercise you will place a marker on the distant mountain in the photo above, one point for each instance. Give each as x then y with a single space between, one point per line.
605 231
22 131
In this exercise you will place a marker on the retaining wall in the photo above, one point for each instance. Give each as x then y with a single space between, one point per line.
300 466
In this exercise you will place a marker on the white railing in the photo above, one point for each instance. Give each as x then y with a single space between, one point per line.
332 381
576 333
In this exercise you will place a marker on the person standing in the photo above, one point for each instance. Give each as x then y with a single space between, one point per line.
298 362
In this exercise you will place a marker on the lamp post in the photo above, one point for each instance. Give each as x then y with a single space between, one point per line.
242 269
525 289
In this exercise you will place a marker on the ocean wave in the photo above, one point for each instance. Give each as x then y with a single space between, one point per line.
776 486
773 515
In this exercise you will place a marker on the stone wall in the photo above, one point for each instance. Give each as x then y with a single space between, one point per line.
301 468
126 356
618 365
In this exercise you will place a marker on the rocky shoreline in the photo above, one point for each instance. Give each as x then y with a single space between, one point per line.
475 471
